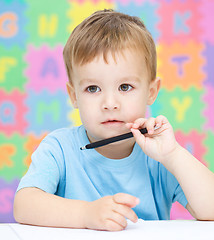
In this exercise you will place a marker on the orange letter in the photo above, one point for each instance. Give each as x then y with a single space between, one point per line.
8 25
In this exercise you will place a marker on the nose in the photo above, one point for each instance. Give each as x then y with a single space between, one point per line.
110 103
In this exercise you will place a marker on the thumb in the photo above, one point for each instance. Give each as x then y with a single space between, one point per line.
139 137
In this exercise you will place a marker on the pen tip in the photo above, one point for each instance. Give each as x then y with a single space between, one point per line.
82 148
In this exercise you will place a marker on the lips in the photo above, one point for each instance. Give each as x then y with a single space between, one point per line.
112 121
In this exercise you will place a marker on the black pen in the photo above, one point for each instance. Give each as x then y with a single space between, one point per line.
111 140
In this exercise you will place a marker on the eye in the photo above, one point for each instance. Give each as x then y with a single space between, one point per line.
93 89
125 87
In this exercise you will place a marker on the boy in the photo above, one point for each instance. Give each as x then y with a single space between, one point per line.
111 64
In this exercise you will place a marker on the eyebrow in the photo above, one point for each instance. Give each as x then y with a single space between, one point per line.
87 80
124 79
130 78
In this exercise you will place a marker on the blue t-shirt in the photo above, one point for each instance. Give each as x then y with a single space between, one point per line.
61 168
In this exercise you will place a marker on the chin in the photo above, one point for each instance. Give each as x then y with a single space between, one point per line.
112 133
106 132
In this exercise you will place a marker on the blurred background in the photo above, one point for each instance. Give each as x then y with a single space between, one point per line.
33 98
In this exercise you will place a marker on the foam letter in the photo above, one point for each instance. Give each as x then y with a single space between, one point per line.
8 25
44 108
6 198
180 60
50 66
7 113
5 64
48 28
7 151
180 22
181 107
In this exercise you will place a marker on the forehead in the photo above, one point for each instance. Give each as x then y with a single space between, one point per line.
127 61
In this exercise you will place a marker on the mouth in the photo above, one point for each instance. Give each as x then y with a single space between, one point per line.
112 122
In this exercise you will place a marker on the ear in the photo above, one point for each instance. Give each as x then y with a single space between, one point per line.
154 88
72 94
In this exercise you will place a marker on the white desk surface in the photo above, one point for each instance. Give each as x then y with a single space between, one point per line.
144 230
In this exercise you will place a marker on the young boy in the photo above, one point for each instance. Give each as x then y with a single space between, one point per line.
111 64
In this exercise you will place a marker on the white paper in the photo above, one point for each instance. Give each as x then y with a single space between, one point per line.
148 230
7 233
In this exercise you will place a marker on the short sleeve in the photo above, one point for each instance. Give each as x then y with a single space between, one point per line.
179 196
45 169
175 191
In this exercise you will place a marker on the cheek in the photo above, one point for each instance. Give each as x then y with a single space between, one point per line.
87 113
135 111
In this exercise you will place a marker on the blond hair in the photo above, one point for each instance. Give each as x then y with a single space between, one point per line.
109 31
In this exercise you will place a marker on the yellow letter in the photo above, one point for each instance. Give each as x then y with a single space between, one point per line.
48 28
5 63
181 107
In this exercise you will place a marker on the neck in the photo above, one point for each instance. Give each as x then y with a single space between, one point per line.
117 150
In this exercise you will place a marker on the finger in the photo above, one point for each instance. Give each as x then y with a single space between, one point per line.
113 226
127 199
139 137
126 212
129 125
150 124
160 120
119 218
139 123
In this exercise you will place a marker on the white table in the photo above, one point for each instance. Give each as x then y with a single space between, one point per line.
143 230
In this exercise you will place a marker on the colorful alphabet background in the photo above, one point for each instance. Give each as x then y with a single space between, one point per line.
33 99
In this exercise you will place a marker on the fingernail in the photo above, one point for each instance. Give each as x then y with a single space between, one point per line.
157 126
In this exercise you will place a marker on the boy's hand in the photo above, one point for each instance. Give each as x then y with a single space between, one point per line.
160 142
110 212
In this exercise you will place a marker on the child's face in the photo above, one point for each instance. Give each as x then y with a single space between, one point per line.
110 95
